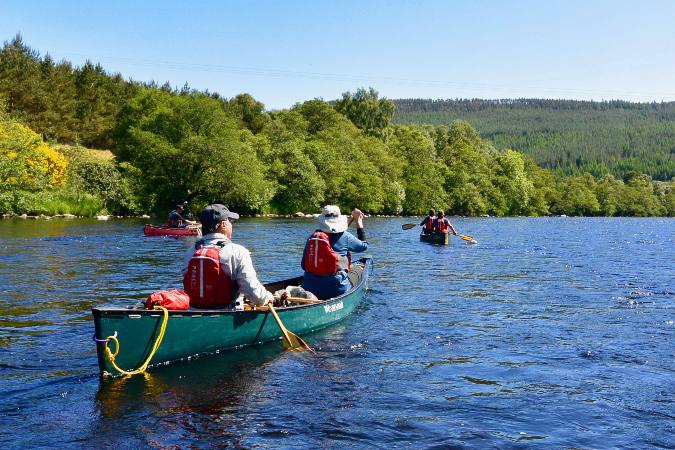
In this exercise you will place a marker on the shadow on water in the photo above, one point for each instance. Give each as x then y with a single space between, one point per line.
209 395
223 381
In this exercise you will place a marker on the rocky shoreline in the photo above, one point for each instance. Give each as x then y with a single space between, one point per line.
68 216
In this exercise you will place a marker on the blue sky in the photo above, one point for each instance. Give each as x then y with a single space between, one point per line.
283 52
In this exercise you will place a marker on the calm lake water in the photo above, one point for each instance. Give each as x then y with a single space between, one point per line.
551 332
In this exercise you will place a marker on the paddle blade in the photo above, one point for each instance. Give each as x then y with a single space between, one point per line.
291 341
467 238
295 343
407 226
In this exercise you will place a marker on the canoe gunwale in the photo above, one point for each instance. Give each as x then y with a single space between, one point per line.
161 230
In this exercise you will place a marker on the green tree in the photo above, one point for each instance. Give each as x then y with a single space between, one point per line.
343 157
366 110
577 197
423 173
188 147
20 81
545 188
638 198
609 191
58 121
300 186
99 177
512 180
469 180
250 111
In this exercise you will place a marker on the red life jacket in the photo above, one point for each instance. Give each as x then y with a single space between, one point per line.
429 223
441 226
320 258
205 282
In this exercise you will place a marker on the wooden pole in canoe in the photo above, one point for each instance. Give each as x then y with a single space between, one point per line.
302 300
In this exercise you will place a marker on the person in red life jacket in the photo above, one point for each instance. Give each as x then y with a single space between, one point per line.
217 270
428 222
442 225
175 219
326 259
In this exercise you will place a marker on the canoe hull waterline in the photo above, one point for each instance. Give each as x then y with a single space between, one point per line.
153 230
435 238
197 332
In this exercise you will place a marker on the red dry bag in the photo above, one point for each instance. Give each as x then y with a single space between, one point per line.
175 299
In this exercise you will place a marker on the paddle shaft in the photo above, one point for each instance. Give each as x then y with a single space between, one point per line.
284 331
302 300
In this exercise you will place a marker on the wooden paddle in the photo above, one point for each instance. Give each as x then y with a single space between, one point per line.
407 226
467 238
292 341
302 300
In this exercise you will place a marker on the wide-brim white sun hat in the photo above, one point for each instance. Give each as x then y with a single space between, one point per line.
331 221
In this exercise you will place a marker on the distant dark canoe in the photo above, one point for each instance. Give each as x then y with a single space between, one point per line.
153 230
205 331
435 238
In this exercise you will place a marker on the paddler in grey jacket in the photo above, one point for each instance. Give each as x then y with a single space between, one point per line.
235 260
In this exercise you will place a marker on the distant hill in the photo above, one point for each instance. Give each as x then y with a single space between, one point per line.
568 136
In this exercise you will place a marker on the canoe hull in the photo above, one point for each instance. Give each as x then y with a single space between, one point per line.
435 238
196 332
153 230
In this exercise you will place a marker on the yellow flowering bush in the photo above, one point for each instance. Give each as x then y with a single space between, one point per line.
26 162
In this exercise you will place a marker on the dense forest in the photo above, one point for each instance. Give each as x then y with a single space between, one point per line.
569 136
156 145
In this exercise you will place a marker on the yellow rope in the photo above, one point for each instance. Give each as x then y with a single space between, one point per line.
144 366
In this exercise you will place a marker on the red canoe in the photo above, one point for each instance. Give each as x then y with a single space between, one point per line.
191 230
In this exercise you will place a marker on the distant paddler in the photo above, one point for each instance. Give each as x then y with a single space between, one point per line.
440 224
176 219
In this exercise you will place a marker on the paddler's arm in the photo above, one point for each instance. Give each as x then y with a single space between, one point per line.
247 280
360 231
451 227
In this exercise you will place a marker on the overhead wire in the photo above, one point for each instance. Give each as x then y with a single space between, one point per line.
363 79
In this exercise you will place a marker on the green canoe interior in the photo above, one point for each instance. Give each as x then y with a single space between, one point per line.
205 331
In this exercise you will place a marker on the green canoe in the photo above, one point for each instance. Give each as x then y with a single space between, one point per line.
434 238
204 331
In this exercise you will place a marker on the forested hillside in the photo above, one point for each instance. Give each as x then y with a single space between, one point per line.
569 136
168 145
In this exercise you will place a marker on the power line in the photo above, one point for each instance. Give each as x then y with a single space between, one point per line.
362 79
